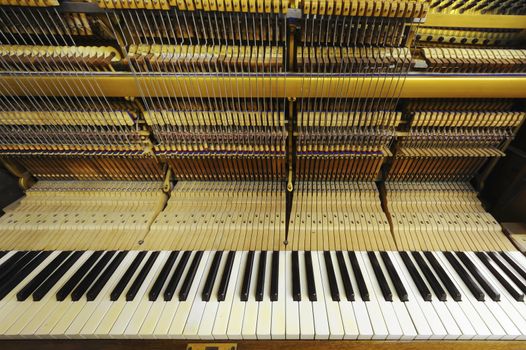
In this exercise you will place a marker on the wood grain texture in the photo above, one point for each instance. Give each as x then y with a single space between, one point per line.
261 345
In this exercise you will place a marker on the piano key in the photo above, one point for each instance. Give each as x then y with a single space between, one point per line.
261 276
2 253
430 277
311 284
22 273
362 287
279 305
225 277
139 280
251 308
68 287
509 273
394 331
235 322
12 263
125 279
423 330
8 256
247 277
354 316
296 289
380 278
481 310
264 317
516 293
415 276
306 316
395 278
345 277
275 276
88 280
446 281
211 277
492 292
428 312
292 295
17 265
466 278
331 278
163 276
190 276
501 310
332 308
58 274
101 281
201 260
169 292
102 302
513 263
29 288
223 316
212 306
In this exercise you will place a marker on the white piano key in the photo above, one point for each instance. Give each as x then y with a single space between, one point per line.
502 310
434 322
423 331
363 327
479 306
104 302
394 331
333 313
141 299
248 330
404 319
265 306
182 314
223 314
10 308
235 322
292 315
307 330
278 322
210 312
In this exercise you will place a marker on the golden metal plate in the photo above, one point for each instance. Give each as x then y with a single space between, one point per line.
211 346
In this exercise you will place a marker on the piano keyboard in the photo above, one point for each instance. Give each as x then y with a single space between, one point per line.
263 294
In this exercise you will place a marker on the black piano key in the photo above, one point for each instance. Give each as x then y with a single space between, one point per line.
358 275
333 285
260 285
125 279
516 294
163 275
347 285
22 273
311 284
176 277
430 277
225 277
44 288
393 274
137 283
190 276
488 288
101 281
77 276
15 263
380 278
274 276
508 272
446 281
247 276
212 274
296 288
32 285
415 275
88 280
514 264
464 275
2 253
